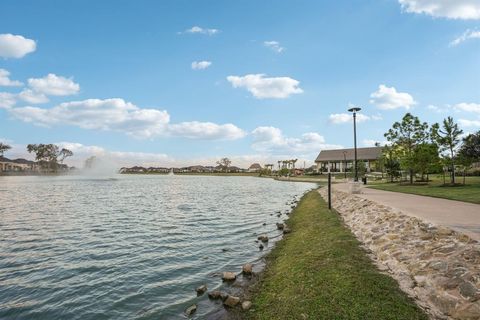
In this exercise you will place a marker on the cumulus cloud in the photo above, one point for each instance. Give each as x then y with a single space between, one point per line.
206 130
5 79
7 100
15 46
119 115
200 30
468 107
451 9
272 140
387 98
32 97
274 45
200 65
54 85
469 34
339 118
262 87
469 123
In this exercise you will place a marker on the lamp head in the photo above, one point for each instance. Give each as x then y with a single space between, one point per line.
354 109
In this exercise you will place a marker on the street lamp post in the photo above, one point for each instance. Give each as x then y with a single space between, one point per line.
355 110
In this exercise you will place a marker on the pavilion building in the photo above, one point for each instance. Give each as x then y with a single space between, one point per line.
341 160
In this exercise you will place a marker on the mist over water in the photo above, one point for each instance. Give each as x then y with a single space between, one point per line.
133 247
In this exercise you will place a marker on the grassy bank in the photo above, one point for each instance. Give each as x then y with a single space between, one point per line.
319 271
470 192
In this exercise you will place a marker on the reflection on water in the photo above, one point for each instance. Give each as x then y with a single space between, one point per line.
129 247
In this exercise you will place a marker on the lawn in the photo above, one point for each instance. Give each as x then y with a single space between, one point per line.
319 271
470 192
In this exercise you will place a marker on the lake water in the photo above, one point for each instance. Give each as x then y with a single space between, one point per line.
129 247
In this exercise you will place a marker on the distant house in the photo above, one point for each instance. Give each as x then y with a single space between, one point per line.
255 167
135 169
158 170
16 165
339 160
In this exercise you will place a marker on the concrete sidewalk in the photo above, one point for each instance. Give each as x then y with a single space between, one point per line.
461 216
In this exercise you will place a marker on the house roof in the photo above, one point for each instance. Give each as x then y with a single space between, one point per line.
349 154
255 166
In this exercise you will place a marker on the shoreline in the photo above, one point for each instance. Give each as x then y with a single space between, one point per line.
328 281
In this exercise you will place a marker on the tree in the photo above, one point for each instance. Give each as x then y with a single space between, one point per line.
406 137
390 163
470 148
448 139
4 147
224 163
48 154
426 158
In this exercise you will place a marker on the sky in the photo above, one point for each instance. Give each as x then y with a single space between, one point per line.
174 83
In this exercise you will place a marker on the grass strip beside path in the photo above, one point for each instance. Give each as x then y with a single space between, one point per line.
469 192
319 271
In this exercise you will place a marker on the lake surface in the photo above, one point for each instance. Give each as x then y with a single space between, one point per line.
129 247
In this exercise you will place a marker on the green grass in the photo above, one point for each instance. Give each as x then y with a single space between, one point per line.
470 192
319 271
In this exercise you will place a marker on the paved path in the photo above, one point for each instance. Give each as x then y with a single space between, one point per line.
461 216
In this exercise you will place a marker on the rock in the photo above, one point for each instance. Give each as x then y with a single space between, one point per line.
229 276
247 268
223 295
215 295
231 301
420 280
260 246
264 224
286 230
469 311
246 305
191 310
263 238
468 290
439 265
442 231
444 302
280 226
201 290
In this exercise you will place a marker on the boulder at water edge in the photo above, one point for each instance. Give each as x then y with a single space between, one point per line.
201 290
246 305
191 310
231 301
247 268
215 294
229 276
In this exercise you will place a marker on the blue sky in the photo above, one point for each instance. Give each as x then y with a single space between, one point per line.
186 82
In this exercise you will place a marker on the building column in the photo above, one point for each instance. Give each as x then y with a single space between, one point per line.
328 166
341 167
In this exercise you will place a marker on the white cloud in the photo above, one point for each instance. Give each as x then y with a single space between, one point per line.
7 100
387 98
206 130
338 118
15 46
377 117
5 79
272 140
200 65
119 115
274 45
262 87
469 123
468 107
199 30
33 97
469 34
54 85
451 9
